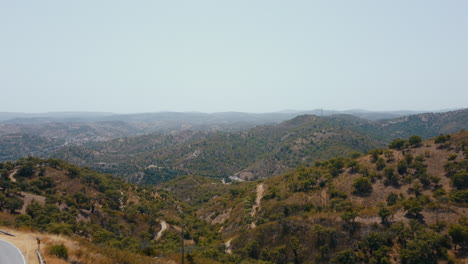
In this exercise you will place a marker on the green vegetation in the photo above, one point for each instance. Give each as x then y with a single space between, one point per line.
362 186
393 205
59 250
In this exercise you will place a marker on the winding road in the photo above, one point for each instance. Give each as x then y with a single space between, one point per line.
10 254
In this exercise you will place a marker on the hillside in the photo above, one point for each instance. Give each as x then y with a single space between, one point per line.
78 128
407 204
115 220
260 152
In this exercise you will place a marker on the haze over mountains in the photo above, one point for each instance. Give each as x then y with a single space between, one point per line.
13 117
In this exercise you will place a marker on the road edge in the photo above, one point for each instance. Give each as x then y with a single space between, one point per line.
21 253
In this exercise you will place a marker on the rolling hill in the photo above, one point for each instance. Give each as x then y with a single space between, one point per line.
407 204
260 152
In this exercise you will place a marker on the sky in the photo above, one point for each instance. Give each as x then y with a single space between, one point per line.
243 55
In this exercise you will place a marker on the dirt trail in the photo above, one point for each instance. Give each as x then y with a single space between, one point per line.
258 203
163 228
28 197
12 176
227 244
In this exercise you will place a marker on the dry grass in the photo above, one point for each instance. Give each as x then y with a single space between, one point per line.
80 252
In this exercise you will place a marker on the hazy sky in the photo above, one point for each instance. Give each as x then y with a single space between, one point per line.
210 56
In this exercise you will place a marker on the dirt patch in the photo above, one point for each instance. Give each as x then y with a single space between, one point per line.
163 228
27 199
227 245
12 176
222 217
258 202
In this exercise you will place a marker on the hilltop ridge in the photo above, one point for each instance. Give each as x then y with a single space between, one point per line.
259 152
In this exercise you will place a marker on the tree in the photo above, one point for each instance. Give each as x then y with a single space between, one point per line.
26 171
362 186
392 198
73 171
413 207
389 155
416 188
2 200
296 248
4 174
390 177
459 234
346 256
253 249
441 139
402 167
460 180
415 141
353 166
426 248
380 164
375 154
397 144
13 203
384 214
459 196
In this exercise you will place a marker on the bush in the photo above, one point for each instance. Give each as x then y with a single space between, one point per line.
26 171
415 141
441 139
362 186
380 164
460 180
397 144
402 167
413 207
391 178
392 199
59 250
459 196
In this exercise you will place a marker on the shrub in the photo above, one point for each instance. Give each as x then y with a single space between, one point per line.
415 140
441 139
59 250
413 207
392 198
391 178
402 167
380 164
362 186
460 180
397 144
459 196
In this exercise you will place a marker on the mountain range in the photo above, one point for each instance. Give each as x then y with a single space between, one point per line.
259 152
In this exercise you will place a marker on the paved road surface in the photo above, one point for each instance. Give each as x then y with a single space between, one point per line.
9 254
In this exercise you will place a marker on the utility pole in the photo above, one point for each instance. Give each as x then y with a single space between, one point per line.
182 243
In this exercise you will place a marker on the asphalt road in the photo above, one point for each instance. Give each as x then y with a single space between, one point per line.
10 254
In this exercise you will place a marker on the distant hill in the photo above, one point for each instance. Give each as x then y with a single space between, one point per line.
188 117
260 152
269 150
